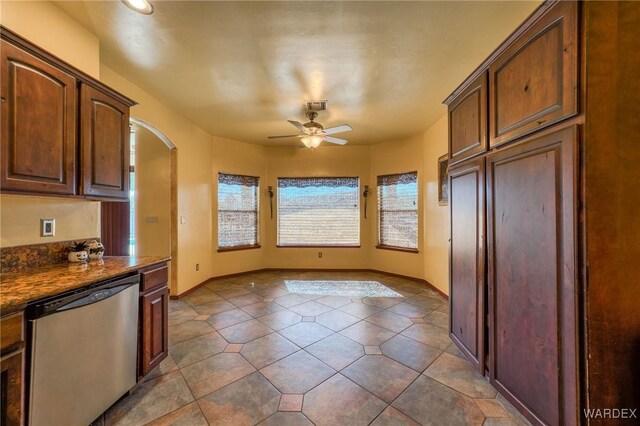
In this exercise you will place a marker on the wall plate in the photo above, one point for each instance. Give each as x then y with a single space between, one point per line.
47 227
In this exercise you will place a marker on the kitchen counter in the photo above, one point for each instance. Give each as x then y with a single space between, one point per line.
19 288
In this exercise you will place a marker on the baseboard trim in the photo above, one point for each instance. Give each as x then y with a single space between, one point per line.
238 274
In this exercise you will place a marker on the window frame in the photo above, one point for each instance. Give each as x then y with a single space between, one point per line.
359 208
257 215
380 244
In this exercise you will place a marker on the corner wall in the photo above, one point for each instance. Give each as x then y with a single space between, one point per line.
436 217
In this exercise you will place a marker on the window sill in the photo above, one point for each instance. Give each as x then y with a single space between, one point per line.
319 246
225 249
392 248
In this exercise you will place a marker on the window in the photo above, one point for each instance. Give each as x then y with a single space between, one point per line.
318 212
398 211
237 211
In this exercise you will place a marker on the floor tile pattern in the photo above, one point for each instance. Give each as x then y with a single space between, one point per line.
304 348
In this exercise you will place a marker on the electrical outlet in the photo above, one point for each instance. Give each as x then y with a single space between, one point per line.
197 266
47 227
319 255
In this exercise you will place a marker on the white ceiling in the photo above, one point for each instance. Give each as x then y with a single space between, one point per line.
240 69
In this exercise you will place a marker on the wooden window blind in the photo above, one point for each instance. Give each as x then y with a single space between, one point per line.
398 211
237 211
315 212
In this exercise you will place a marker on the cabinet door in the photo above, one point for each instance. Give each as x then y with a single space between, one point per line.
38 125
468 121
467 300
104 145
534 82
11 407
531 225
154 330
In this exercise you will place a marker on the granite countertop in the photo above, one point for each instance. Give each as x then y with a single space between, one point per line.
25 286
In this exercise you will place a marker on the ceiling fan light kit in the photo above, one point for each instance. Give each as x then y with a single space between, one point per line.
314 133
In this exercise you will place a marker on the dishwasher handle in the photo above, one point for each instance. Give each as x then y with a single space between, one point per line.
96 296
83 297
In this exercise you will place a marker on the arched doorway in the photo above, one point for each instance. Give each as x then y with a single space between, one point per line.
147 224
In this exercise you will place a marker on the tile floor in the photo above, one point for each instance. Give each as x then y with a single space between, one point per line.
302 348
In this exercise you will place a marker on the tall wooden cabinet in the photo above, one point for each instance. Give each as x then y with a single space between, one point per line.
544 228
63 132
467 267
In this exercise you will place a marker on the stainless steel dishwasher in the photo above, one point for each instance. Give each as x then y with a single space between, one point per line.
83 352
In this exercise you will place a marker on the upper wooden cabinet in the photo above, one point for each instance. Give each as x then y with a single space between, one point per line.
104 142
38 124
63 132
468 121
533 83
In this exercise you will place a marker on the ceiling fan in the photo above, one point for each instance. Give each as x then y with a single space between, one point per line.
313 133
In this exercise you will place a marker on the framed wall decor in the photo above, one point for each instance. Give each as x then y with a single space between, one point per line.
443 180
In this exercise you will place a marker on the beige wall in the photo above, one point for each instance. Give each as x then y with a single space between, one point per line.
152 195
20 219
244 159
201 156
194 171
329 161
46 25
436 217
398 157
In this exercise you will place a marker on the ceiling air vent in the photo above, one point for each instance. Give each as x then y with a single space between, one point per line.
320 105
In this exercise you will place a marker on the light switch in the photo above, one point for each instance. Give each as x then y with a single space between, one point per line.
183 220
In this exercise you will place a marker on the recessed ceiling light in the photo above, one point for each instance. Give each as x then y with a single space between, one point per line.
140 6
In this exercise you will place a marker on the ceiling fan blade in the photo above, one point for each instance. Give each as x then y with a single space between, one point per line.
298 125
283 136
337 141
338 129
